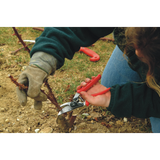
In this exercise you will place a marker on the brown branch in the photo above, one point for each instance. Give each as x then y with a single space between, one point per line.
20 39
51 96
106 39
71 121
70 114
21 86
37 28
14 52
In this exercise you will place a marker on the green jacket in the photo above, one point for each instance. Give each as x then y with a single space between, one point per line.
129 99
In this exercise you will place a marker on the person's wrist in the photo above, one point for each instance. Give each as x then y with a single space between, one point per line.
108 94
44 61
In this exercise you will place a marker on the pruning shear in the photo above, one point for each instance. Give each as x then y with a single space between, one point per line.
78 101
94 56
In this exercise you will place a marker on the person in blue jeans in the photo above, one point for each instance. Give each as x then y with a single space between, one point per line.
134 78
117 71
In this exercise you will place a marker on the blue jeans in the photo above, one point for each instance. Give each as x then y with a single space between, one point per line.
117 71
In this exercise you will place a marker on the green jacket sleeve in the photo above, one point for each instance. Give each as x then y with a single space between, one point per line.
134 99
63 42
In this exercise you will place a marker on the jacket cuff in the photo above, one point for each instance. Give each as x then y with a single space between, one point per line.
112 100
116 106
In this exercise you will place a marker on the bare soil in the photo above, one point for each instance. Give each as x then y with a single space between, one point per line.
15 118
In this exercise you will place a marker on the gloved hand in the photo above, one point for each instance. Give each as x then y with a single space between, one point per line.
40 67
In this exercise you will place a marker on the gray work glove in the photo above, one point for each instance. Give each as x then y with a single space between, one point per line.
40 67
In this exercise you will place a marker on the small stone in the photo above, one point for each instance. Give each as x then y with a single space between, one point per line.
7 120
29 128
92 121
36 130
89 118
125 119
17 119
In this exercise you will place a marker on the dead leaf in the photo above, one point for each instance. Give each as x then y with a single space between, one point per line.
106 124
96 119
68 87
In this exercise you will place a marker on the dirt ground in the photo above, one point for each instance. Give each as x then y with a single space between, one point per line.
15 118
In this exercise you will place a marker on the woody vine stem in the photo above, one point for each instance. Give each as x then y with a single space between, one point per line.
20 39
50 94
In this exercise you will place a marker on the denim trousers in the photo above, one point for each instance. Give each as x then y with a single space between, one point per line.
117 71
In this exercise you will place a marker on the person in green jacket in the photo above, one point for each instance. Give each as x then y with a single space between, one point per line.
134 78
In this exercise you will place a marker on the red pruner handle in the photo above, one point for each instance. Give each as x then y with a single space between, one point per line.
90 84
94 56
100 93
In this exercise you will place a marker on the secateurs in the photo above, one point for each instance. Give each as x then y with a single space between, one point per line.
94 56
78 101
